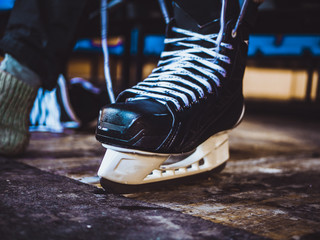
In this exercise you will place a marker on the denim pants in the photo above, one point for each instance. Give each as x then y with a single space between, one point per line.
41 33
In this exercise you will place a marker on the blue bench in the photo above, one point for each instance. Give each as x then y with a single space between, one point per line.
260 45
6 5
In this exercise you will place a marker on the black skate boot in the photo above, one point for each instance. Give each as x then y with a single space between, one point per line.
174 124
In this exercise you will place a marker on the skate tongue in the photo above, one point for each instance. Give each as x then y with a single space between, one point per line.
203 17
186 21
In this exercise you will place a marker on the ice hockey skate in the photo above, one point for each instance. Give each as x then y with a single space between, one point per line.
174 125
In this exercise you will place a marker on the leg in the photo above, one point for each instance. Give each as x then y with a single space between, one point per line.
38 38
183 110
40 35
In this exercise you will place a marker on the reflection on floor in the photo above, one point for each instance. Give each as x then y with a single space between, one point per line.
270 186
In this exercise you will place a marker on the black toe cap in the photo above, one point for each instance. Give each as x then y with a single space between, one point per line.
141 124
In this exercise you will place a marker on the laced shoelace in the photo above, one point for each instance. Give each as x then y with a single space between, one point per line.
45 113
167 83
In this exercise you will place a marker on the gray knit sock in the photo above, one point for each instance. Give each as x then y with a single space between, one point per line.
15 68
16 100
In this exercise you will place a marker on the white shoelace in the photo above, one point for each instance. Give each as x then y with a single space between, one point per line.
46 111
45 114
167 83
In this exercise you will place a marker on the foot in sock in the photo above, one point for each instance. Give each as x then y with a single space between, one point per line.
18 89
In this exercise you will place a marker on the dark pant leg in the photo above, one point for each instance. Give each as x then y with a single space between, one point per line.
40 34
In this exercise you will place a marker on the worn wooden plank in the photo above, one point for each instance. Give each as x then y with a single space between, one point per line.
270 186
39 205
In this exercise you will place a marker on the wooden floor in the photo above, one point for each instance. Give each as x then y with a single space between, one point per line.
270 186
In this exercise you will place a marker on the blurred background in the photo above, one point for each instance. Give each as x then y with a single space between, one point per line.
283 67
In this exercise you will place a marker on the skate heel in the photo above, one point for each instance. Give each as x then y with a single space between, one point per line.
207 156
219 154
138 167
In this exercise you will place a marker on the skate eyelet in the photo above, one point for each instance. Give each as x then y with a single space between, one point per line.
233 33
